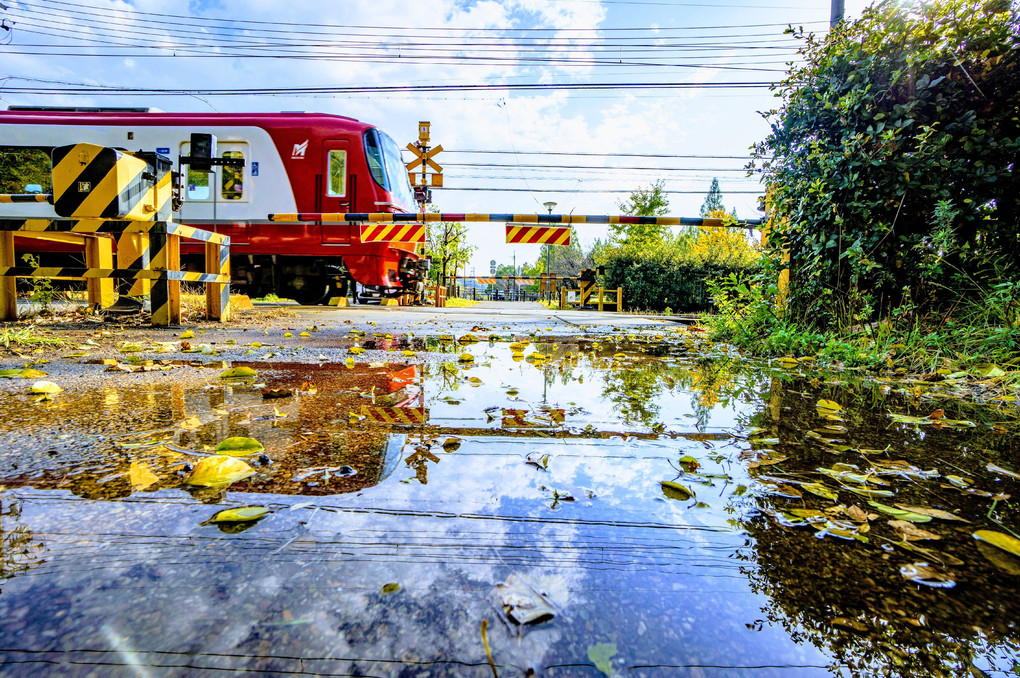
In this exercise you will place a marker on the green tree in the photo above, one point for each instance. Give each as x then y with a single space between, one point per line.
713 201
446 243
892 159
650 202
20 167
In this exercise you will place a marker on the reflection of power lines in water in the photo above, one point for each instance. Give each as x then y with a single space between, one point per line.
595 544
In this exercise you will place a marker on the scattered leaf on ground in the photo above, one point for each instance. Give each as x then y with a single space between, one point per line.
238 373
1007 543
601 655
219 470
900 514
239 446
44 388
676 491
923 573
933 512
238 515
522 603
909 532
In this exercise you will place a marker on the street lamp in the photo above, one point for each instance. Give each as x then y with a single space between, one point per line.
548 248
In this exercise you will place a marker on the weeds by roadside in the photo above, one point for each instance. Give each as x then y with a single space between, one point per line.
984 328
27 336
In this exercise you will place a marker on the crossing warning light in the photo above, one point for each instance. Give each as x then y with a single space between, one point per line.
423 171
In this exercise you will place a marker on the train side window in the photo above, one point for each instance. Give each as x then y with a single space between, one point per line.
231 184
198 185
337 173
25 170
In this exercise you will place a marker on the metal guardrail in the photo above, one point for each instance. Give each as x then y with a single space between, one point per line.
435 295
595 297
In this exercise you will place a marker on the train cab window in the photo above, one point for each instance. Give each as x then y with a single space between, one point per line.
374 153
231 184
25 170
387 168
337 185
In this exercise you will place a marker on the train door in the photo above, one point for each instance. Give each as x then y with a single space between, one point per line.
335 189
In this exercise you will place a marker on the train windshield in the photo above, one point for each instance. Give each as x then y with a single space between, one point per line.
387 168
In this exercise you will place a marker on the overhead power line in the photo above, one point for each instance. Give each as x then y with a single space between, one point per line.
599 155
332 28
584 190
342 89
598 167
103 22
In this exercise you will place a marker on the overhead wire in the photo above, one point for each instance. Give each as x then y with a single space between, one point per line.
331 28
179 28
348 89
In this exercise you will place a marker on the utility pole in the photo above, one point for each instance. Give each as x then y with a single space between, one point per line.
548 248
836 16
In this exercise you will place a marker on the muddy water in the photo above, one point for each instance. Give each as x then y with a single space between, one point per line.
412 497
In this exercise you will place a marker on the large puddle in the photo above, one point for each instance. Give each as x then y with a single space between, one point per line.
631 505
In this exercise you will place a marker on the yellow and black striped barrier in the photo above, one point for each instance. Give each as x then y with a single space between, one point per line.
160 266
96 181
25 197
426 217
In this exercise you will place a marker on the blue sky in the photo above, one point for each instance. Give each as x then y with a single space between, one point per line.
168 43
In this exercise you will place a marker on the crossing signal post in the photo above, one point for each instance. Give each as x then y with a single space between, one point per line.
424 172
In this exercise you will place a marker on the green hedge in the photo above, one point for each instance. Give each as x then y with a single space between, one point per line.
657 281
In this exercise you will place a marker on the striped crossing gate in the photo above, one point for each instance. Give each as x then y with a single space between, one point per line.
395 415
545 417
537 235
408 233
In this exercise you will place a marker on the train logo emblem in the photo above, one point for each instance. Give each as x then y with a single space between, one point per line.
299 150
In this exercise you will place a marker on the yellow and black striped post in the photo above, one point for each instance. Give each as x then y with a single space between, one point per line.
165 294
587 284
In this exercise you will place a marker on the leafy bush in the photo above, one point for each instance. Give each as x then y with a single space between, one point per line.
892 160
654 279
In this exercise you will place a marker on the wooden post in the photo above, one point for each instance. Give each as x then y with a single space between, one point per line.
8 284
619 300
563 298
217 295
600 299
99 254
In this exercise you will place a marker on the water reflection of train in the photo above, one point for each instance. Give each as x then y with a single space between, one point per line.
295 162
313 449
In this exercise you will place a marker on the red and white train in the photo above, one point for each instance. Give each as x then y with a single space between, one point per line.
294 162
